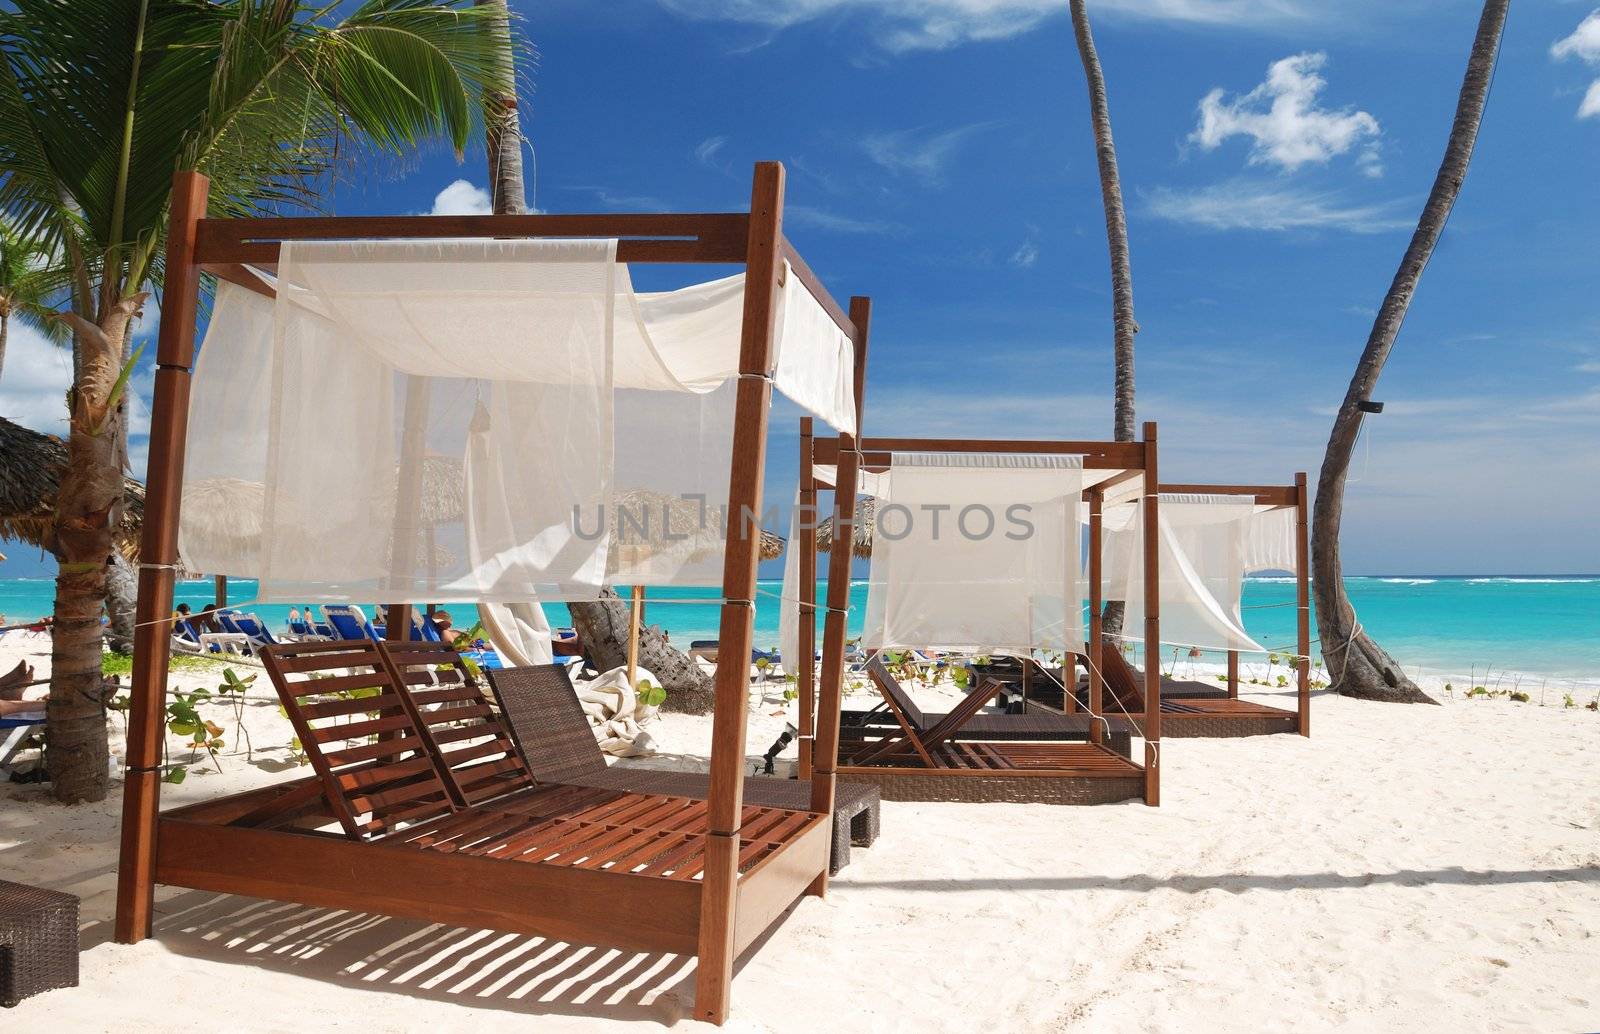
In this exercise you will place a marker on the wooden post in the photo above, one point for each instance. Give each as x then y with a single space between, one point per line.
719 885
1302 589
1069 683
635 615
1027 681
1097 682
806 534
219 586
825 758
169 419
1152 621
1233 674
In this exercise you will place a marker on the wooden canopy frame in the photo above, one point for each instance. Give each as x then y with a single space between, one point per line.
211 847
1278 497
819 723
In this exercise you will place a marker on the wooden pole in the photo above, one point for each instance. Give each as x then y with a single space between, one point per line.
719 885
635 614
219 586
1302 589
1097 682
1152 621
806 533
825 758
1233 674
169 418
1069 683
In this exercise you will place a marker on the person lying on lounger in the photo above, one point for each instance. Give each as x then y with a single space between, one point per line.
13 682
11 707
447 632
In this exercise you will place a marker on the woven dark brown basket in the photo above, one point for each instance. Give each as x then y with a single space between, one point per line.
38 941
548 723
906 784
1196 726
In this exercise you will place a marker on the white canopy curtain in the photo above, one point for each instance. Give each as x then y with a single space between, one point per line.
1206 546
978 552
459 420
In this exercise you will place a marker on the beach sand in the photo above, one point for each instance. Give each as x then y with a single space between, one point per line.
1405 868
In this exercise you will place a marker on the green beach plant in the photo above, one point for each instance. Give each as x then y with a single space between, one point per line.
101 102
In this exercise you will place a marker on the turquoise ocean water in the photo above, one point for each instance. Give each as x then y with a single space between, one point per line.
1543 626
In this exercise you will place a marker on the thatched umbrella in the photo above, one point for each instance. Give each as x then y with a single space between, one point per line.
662 523
30 474
866 521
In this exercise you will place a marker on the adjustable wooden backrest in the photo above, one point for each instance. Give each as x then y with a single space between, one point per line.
1122 681
894 694
905 712
360 734
472 740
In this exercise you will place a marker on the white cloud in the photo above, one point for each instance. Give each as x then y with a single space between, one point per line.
462 198
823 219
1027 252
1589 367
34 383
914 152
706 152
1284 123
1246 205
1584 44
906 25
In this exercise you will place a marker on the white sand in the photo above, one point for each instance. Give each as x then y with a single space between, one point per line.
1406 868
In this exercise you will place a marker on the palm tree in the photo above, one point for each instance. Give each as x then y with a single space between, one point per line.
101 101
1124 326
1357 666
603 625
28 287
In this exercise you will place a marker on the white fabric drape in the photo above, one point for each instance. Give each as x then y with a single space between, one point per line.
789 604
979 553
458 420
1201 553
520 632
1269 543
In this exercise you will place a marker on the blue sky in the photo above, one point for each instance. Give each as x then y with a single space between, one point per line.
1274 156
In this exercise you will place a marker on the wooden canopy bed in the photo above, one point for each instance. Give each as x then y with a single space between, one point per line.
740 868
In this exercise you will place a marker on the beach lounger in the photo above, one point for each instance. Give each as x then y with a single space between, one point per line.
1201 717
15 731
898 705
248 625
349 622
582 864
931 764
559 745
195 641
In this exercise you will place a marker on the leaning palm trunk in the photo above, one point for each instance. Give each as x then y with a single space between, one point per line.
1357 666
602 625
603 630
1123 323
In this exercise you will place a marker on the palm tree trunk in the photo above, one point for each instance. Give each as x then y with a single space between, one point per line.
503 131
5 331
122 598
1123 324
603 625
1357 666
603 630
89 495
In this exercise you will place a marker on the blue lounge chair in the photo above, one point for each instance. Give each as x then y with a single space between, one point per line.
349 622
251 626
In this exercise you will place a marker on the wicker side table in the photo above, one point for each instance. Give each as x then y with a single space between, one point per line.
38 941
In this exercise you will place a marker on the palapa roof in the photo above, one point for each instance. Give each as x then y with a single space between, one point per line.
866 523
30 475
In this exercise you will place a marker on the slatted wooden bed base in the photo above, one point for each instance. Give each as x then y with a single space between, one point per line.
572 863
1199 717
1046 773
